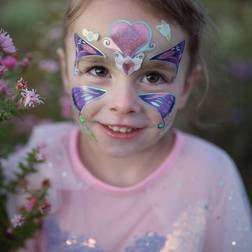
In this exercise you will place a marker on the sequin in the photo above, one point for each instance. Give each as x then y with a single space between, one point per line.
63 174
151 242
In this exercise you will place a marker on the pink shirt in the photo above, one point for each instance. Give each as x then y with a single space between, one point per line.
194 202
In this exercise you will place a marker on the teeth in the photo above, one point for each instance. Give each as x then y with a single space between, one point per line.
121 130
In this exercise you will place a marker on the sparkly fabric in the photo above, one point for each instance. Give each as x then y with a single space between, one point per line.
194 201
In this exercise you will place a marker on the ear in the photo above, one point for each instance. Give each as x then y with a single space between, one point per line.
190 82
63 67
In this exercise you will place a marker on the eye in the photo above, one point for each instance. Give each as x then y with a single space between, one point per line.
99 71
153 78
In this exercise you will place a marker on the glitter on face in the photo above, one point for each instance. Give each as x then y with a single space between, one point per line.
129 41
165 30
83 95
173 55
90 36
163 103
84 49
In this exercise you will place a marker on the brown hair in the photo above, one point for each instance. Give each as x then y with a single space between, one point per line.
189 14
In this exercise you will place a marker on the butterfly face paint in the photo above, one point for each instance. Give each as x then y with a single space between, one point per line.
165 30
173 55
129 41
82 96
162 102
84 49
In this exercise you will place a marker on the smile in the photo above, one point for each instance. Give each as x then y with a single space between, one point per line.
121 131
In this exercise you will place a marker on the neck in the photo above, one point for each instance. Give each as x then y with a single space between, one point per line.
126 171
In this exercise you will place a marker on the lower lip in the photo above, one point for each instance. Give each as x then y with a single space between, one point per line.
119 135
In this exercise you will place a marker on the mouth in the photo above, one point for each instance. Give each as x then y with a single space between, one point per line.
121 131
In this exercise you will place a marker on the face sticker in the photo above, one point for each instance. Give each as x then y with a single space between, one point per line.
82 96
165 30
129 41
173 55
84 49
90 36
162 102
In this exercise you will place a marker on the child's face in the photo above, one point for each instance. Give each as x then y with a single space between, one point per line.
124 80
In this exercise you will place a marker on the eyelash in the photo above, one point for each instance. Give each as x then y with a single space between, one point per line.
163 78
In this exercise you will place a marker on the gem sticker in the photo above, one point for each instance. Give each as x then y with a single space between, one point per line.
90 36
84 49
129 41
162 102
173 55
165 30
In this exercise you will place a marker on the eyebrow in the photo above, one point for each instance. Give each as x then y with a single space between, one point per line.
160 65
96 60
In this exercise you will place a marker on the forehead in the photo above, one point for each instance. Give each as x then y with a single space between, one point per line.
107 12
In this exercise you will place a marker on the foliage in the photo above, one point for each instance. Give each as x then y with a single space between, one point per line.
15 98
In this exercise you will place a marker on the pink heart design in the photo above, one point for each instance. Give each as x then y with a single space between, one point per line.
130 37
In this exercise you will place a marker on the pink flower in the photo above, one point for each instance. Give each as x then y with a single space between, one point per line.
17 220
30 98
65 104
45 207
55 33
30 203
6 43
9 62
3 69
21 84
4 89
50 66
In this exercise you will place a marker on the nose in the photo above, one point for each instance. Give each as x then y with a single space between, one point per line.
124 100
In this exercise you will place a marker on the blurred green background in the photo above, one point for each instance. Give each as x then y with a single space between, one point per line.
224 117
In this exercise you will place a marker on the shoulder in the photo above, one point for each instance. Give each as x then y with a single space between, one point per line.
205 156
49 135
51 132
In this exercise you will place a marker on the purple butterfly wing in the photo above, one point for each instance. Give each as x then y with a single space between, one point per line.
83 48
83 95
163 103
173 55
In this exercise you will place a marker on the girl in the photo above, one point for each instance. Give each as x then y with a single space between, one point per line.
124 179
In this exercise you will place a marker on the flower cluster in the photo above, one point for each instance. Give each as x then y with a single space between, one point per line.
32 206
15 97
6 43
18 96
